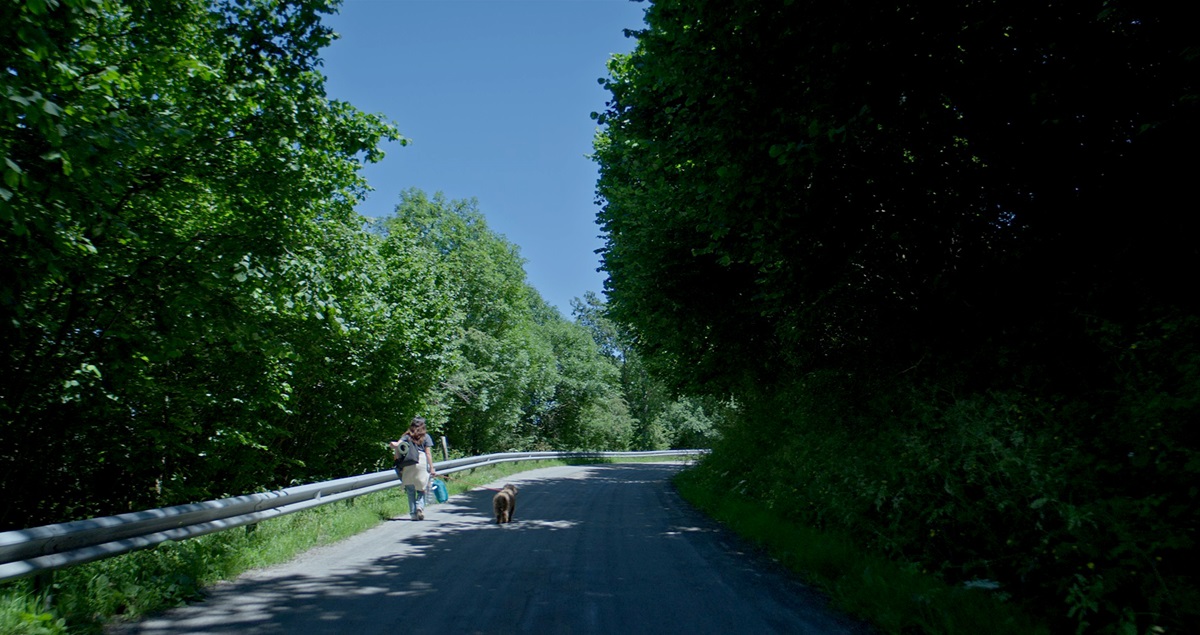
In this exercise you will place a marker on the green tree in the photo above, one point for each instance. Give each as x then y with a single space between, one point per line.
903 232
660 420
483 391
686 424
799 185
365 363
163 163
586 410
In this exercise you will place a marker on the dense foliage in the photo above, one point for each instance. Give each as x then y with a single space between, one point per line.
662 418
934 253
172 171
515 374
193 309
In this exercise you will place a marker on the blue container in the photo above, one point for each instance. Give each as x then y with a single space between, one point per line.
439 490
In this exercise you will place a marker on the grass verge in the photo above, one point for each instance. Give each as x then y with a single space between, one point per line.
896 598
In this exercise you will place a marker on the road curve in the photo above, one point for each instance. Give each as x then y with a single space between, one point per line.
591 549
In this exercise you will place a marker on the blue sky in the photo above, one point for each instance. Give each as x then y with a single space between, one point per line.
495 97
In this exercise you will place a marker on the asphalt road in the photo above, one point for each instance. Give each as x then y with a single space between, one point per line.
591 549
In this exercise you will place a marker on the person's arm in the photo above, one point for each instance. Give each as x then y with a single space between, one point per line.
429 460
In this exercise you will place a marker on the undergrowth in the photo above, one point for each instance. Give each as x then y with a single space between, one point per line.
896 598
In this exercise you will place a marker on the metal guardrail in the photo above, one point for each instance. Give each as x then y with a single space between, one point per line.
27 552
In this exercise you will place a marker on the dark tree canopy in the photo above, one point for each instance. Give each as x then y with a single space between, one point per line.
809 183
939 245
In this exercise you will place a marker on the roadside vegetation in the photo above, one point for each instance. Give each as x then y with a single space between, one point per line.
896 598
930 253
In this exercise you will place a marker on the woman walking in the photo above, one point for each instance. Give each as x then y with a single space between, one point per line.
415 476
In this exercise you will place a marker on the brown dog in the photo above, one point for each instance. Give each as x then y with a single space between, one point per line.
504 503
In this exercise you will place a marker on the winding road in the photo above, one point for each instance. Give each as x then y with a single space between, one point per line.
591 549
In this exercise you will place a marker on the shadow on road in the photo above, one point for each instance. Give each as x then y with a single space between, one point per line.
586 546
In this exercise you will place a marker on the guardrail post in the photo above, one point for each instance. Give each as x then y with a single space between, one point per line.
43 585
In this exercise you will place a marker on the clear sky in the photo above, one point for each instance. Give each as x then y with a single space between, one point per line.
495 97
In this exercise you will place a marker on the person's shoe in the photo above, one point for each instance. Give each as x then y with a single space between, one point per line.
420 514
412 517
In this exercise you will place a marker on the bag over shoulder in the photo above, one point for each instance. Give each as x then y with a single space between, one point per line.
407 453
